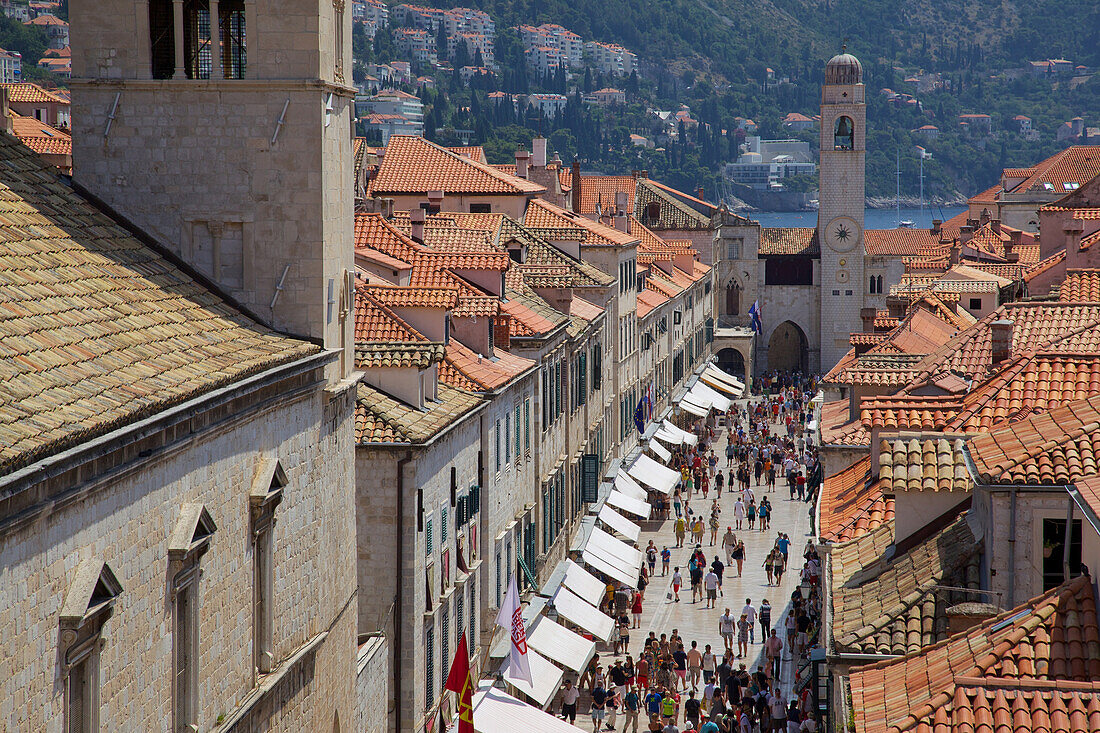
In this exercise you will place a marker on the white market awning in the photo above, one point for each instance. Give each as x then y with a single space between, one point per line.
609 566
629 486
719 385
715 373
559 644
582 613
660 451
611 547
717 401
619 523
583 583
545 677
651 473
668 437
689 438
693 408
495 711
619 500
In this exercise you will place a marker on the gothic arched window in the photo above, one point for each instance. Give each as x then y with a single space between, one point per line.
844 134
878 284
871 285
733 299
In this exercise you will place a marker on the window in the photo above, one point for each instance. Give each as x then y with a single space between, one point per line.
582 378
498 580
429 663
428 541
444 642
473 617
460 616
497 451
1054 552
975 304
265 495
189 541
733 298
527 425
597 366
517 438
481 208
545 400
88 604
844 134
442 526
677 318
162 39
733 249
492 335
338 34
788 271
507 437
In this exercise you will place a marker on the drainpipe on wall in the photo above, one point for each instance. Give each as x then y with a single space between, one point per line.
1012 549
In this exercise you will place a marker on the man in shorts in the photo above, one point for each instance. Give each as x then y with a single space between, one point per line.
599 703
710 585
726 626
569 695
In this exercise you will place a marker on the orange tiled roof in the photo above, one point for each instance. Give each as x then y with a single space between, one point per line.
40 137
374 323
648 300
373 232
602 190
908 412
585 309
473 152
898 242
789 241
852 504
1045 265
31 93
380 418
464 369
98 330
413 165
893 603
923 462
1048 641
545 215
1054 448
1076 164
396 296
988 196
1080 286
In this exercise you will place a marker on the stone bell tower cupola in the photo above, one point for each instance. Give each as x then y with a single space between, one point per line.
223 129
841 197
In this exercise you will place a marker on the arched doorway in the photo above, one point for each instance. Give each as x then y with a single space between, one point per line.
788 348
731 361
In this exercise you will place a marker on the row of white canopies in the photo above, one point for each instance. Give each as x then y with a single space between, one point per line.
573 594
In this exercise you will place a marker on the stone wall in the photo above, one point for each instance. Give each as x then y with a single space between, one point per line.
372 684
125 521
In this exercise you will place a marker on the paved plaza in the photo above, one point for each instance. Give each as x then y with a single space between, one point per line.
694 621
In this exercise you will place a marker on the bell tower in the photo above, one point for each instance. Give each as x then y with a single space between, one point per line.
841 196
223 129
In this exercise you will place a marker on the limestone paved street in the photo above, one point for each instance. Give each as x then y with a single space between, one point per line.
693 620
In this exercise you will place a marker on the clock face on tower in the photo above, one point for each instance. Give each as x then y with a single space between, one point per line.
841 234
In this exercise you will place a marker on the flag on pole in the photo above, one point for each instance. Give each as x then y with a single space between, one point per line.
754 314
458 681
510 617
639 415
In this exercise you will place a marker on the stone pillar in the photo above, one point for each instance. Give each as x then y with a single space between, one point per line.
215 43
177 37
251 38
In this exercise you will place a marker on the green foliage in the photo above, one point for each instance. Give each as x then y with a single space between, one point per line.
28 40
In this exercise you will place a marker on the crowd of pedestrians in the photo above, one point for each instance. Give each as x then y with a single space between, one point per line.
674 684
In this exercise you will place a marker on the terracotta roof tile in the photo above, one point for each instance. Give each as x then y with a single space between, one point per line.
678 210
544 215
648 300
1053 448
31 93
1080 286
908 412
97 330
1037 644
602 190
1076 164
1045 265
922 462
415 165
898 242
852 504
465 369
789 241
886 603
396 296
380 418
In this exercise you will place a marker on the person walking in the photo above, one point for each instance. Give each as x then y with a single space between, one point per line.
719 568
677 581
636 611
631 707
710 585
666 559
739 512
743 627
729 541
598 710
765 618
680 530
739 556
726 627
769 566
773 652
750 511
714 526
651 557
750 614
569 697
695 665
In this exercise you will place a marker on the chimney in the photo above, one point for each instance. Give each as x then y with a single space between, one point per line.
1074 229
699 195
5 111
1002 340
538 152
622 222
645 173
867 315
966 233
964 616
576 192
984 217
620 201
995 225
937 224
416 219
435 201
522 159
557 159
955 255
384 206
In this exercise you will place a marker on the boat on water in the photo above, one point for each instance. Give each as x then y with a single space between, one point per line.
906 224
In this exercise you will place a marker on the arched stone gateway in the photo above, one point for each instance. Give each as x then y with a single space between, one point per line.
732 361
788 348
